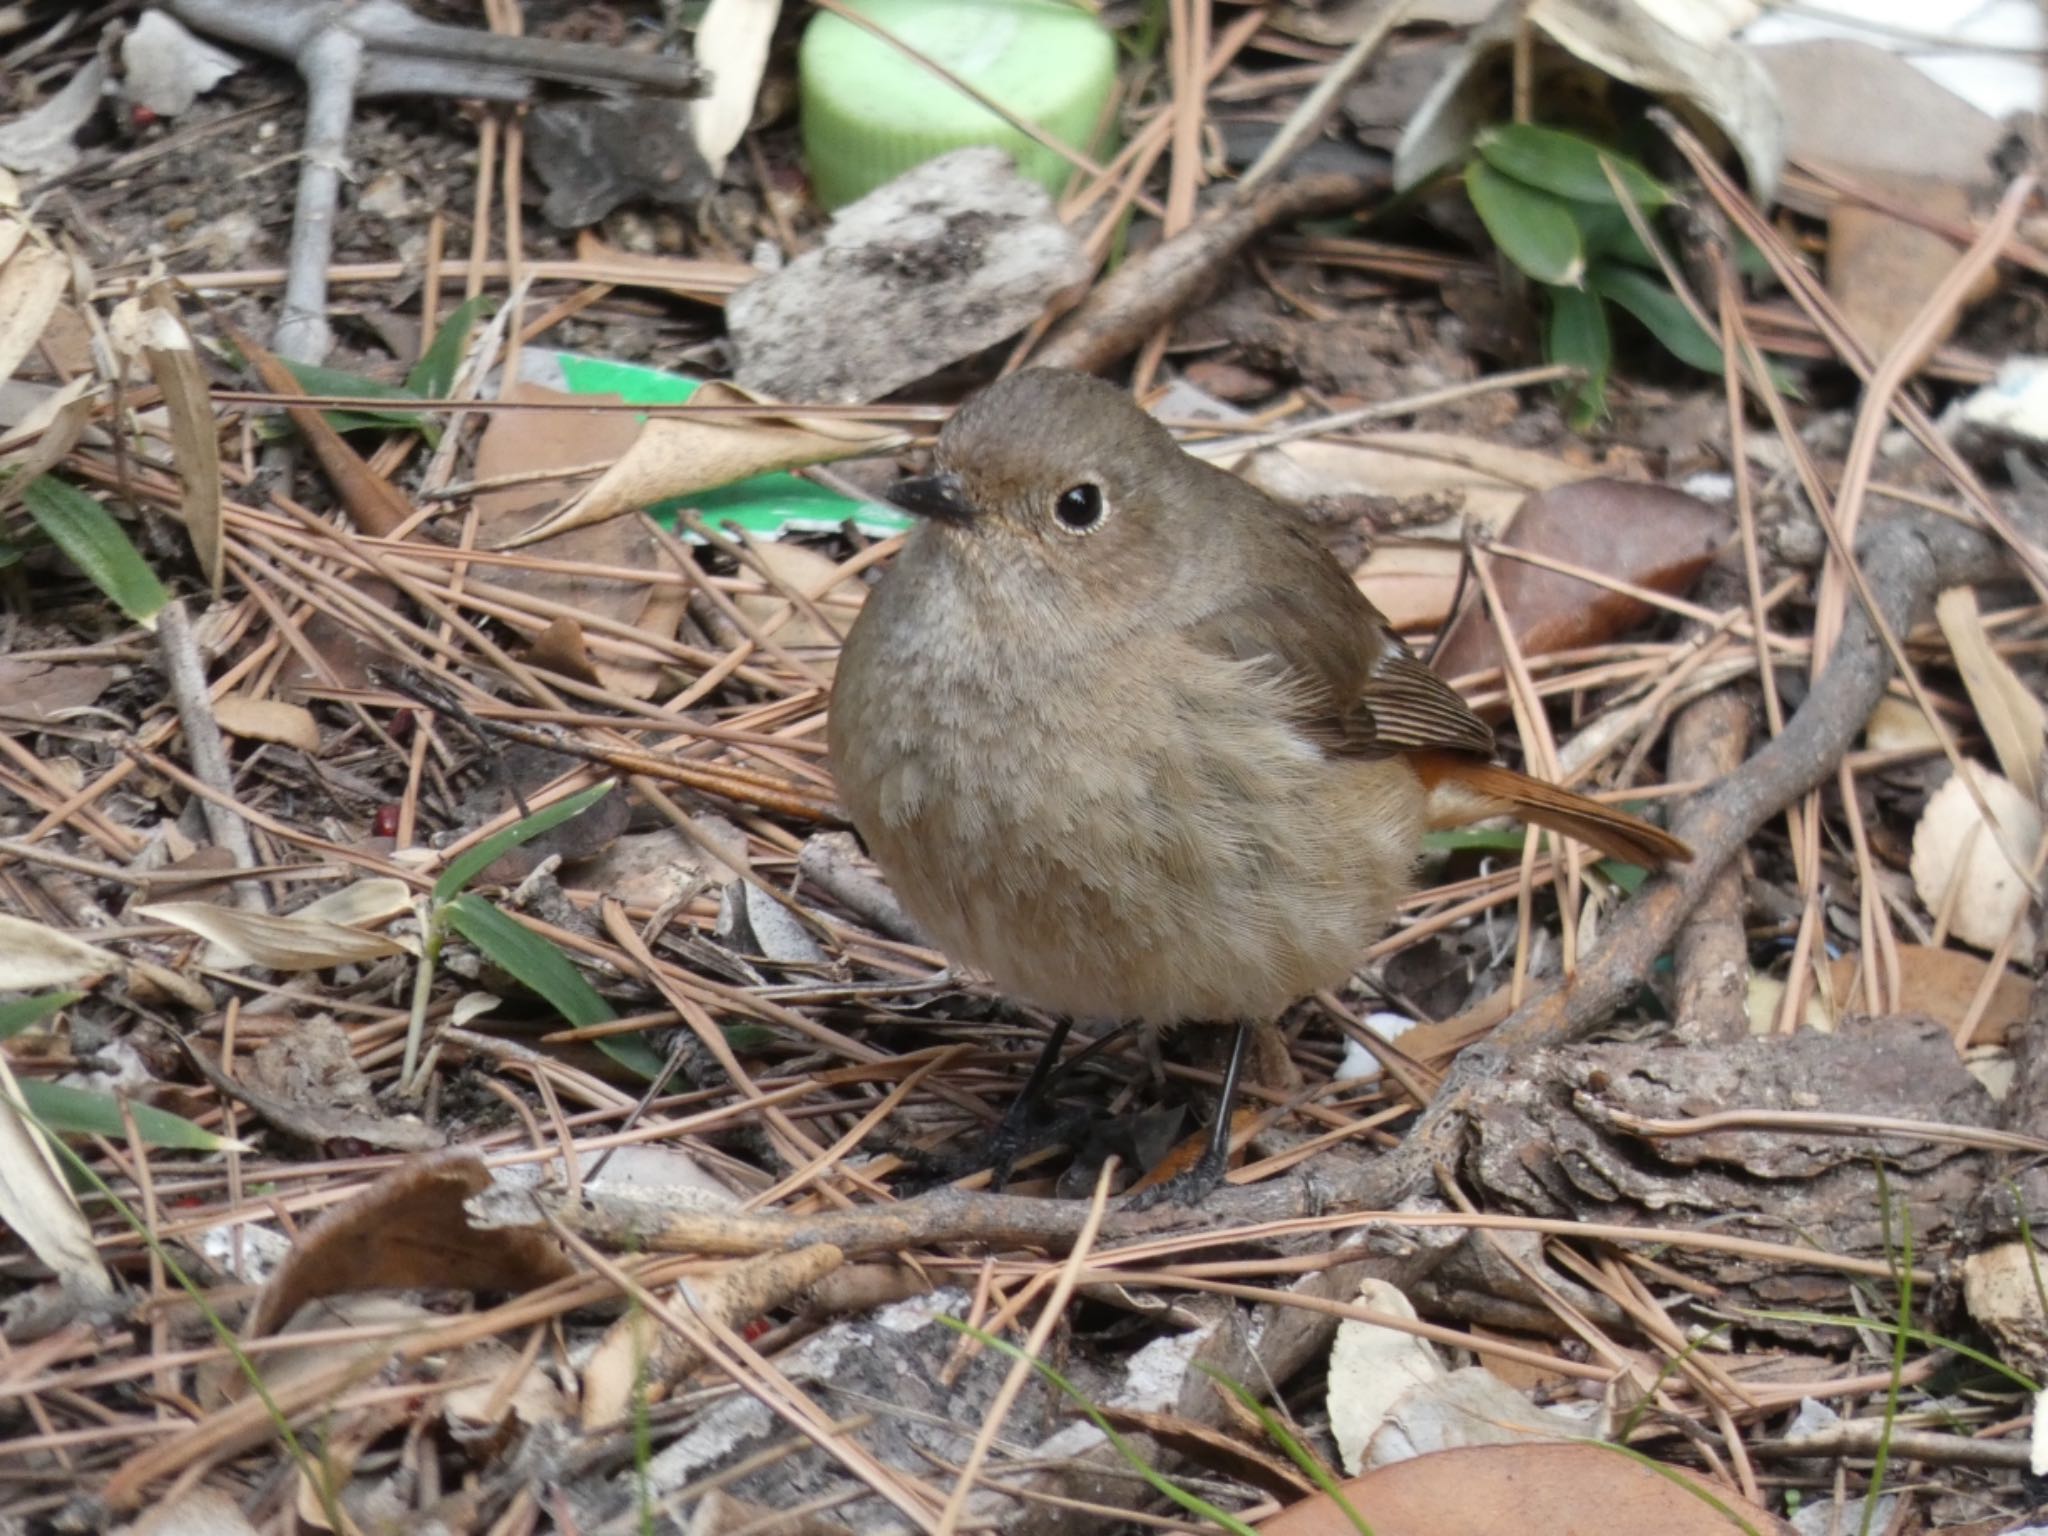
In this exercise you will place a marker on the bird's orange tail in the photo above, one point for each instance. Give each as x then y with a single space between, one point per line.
1466 789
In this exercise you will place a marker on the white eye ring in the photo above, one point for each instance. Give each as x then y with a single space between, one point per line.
1082 508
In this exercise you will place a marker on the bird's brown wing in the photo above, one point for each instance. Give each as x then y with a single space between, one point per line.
1361 690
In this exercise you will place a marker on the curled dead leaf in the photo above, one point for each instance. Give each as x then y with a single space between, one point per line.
1648 536
294 943
290 725
684 454
34 956
2007 708
1965 869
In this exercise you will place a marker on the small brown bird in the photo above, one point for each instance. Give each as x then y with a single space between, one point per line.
1124 736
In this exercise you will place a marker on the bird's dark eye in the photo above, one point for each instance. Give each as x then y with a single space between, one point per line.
1080 508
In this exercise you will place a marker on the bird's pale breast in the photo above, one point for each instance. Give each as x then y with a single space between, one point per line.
1110 844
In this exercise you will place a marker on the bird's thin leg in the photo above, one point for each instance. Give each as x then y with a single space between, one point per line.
1193 1185
1013 1130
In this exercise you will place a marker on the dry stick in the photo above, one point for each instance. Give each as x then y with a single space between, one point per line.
186 675
1708 741
1146 292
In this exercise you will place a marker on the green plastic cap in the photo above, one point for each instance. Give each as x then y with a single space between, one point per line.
871 112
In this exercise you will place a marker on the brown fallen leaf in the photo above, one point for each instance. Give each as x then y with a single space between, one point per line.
152 330
1940 983
561 443
682 454
405 1231
1485 1490
290 725
2007 708
1969 874
40 692
295 943
1646 535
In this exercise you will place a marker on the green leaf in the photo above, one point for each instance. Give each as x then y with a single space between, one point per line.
96 544
317 380
1608 233
434 374
1533 229
1568 165
541 965
491 849
1578 335
25 1011
1658 308
87 1112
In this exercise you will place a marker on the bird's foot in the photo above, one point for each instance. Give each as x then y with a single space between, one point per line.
1189 1188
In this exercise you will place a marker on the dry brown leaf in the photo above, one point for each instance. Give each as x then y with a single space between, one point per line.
42 692
37 1203
295 943
1371 1366
31 283
796 627
1647 535
1965 868
2011 715
404 1231
45 435
1881 268
529 444
488 1408
290 725
732 43
1898 725
361 904
2002 1289
1941 983
681 455
153 330
1587 1490
33 957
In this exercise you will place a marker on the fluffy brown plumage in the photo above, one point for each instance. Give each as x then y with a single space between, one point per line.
1170 765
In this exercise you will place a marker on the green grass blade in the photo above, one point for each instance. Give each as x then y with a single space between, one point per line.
486 853
90 1112
1297 1453
434 374
96 544
541 965
1918 1336
26 1011
315 379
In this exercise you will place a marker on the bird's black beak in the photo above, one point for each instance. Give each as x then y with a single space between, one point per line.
941 498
